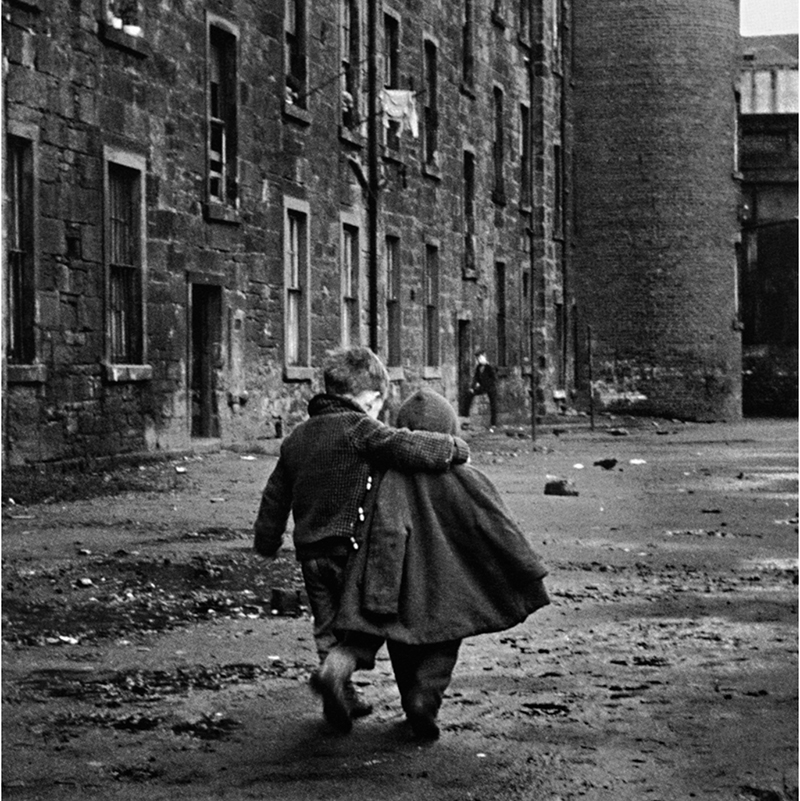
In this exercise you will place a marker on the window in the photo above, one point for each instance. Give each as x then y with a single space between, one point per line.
470 263
393 320
498 150
431 300
125 15
391 76
125 257
350 282
558 191
295 52
222 133
501 312
350 49
19 224
296 318
468 46
525 164
431 111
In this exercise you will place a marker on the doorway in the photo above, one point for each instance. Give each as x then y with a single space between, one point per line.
465 365
205 359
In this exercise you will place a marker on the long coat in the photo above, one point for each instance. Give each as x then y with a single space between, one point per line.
441 559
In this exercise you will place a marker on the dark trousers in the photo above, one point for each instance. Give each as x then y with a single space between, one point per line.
492 395
422 672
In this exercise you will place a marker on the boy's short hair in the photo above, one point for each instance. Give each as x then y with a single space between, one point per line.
349 371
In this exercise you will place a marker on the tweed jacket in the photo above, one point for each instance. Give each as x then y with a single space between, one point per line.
442 559
326 467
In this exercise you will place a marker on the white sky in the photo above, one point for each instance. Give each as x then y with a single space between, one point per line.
762 17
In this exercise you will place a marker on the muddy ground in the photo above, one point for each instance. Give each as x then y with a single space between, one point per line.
149 654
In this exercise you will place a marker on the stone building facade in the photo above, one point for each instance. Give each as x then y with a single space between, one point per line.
204 197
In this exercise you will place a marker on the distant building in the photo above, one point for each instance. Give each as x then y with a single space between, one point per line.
768 89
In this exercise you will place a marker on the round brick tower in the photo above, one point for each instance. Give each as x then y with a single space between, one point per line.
655 225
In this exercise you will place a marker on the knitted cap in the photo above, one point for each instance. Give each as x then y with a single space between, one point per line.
427 410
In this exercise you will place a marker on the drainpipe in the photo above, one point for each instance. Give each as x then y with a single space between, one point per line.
532 249
373 173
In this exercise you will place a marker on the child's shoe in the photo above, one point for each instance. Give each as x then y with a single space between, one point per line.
359 708
330 681
422 719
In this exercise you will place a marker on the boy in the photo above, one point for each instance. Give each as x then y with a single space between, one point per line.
442 559
324 474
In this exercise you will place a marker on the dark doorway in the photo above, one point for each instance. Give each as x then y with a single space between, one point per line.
206 358
465 365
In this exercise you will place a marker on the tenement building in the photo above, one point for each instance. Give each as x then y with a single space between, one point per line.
768 259
204 197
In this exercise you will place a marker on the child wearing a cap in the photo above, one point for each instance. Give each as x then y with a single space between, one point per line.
442 559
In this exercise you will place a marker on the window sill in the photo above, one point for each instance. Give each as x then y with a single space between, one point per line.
469 273
524 42
499 20
118 373
29 5
430 372
26 373
293 372
122 40
396 373
350 136
468 89
391 155
218 212
296 114
432 170
526 208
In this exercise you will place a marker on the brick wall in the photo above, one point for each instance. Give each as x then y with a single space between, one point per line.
655 216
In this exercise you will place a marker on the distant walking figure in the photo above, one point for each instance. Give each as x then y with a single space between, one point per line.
484 382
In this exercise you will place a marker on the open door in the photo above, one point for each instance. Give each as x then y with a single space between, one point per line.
465 364
206 359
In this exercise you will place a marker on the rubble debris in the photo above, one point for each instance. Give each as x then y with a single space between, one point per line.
606 464
560 486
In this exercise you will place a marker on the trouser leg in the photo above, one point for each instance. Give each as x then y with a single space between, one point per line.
324 579
423 674
493 408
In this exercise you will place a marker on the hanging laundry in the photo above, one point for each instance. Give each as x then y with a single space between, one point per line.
399 105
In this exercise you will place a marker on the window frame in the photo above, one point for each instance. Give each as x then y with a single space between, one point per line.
498 144
430 101
351 277
391 74
431 319
222 206
139 369
295 55
501 312
301 369
27 367
394 307
351 64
